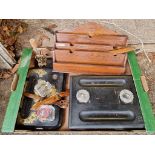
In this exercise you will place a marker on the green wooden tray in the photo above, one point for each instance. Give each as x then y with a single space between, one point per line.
146 107
16 95
15 98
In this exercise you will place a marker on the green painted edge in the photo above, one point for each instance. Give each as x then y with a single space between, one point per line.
15 98
145 104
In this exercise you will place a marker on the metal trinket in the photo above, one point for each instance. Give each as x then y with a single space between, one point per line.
42 60
44 88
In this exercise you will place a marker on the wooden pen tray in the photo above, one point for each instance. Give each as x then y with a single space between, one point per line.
73 54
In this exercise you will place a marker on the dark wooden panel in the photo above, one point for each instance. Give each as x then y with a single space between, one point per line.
92 28
84 47
88 69
114 40
89 57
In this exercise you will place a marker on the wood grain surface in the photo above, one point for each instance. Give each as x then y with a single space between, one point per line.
90 57
84 47
114 40
88 69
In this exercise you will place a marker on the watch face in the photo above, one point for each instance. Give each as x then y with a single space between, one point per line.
46 113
